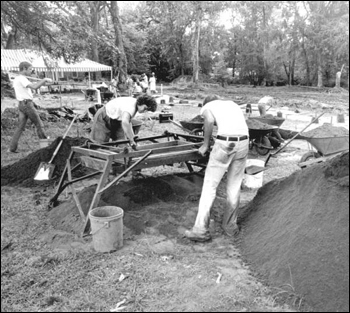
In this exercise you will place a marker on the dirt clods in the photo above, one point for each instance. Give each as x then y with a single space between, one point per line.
296 235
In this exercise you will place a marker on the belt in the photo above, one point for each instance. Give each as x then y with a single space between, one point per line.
231 138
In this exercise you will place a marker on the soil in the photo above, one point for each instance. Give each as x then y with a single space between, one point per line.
255 124
272 117
296 234
23 171
198 118
326 130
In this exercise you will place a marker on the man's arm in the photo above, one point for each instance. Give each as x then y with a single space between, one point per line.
127 128
208 131
38 84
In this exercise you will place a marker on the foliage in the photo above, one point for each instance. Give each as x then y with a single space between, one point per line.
265 42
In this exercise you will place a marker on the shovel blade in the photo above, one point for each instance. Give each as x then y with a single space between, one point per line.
254 169
44 171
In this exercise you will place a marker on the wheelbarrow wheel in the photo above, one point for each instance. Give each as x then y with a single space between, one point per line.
262 145
309 156
197 132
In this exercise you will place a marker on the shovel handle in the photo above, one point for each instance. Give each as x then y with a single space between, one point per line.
64 136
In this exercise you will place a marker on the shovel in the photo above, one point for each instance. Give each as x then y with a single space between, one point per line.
45 170
253 169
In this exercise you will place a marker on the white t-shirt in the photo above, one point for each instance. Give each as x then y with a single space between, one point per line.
267 100
228 116
116 107
20 84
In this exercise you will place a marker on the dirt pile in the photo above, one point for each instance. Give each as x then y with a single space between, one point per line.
326 130
23 171
197 119
255 124
295 233
272 117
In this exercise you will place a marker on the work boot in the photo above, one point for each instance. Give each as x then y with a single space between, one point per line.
232 230
12 151
198 234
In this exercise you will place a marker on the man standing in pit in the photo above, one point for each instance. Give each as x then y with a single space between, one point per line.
229 154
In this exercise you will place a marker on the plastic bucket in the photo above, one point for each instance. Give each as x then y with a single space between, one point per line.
253 181
107 228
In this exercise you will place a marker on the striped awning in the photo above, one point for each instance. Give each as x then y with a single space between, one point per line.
10 59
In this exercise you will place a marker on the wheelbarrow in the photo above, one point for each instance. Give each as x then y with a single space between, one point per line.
258 140
325 147
270 121
193 128
252 170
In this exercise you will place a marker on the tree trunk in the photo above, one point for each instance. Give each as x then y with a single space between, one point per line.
319 71
10 43
287 70
121 62
196 48
306 62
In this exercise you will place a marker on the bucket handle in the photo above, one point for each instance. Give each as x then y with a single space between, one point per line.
105 225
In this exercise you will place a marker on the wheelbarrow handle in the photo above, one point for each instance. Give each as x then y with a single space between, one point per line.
290 140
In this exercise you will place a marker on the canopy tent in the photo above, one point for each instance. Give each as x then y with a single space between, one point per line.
10 59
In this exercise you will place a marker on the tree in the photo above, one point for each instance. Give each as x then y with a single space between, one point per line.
121 62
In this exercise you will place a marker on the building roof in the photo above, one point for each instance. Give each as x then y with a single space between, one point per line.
10 60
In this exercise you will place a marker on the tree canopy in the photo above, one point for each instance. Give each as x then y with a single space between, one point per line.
263 42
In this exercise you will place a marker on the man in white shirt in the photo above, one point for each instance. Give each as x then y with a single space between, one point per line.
229 154
113 121
23 89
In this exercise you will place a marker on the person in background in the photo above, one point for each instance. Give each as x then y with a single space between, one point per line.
229 153
145 78
113 121
137 87
130 85
144 82
152 83
275 138
26 106
113 87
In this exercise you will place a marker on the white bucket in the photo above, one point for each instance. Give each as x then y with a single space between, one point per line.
253 181
107 228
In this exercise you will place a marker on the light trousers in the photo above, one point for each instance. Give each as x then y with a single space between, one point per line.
225 156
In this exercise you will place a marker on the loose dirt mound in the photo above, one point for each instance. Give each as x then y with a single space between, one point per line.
296 234
255 124
23 171
326 130
198 119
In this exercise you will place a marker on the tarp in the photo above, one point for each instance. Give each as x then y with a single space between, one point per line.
10 60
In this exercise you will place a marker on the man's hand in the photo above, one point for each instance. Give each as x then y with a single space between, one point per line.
48 80
203 150
133 145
